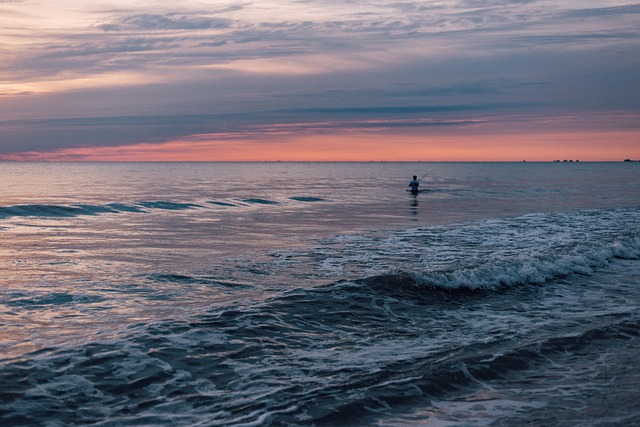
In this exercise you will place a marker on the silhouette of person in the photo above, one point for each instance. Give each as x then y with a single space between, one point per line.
414 184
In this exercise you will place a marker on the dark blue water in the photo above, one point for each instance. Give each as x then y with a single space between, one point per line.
319 294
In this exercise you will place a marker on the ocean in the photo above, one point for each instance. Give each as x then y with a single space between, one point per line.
319 294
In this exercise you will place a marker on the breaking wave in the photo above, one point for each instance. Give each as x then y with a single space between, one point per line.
488 255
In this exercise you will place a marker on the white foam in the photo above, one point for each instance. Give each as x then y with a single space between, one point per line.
533 249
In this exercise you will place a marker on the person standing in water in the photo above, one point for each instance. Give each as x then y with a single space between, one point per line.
414 184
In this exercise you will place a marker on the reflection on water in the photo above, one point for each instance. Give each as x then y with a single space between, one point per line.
414 207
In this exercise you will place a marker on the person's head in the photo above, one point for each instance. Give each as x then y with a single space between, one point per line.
415 177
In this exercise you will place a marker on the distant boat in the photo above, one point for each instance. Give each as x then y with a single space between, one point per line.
629 160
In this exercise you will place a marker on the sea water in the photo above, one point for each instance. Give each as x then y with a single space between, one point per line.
284 294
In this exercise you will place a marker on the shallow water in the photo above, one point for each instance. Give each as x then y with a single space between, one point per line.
324 294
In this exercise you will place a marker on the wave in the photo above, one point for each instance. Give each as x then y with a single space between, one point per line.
200 280
121 207
476 367
55 211
307 199
534 269
258 201
487 255
79 209
75 210
315 357
162 204
220 203
348 350
47 301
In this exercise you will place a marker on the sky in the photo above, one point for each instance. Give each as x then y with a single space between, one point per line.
319 80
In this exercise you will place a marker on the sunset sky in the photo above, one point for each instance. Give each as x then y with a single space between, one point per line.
392 80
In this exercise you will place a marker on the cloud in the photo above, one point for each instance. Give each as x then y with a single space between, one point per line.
411 111
613 11
46 134
166 22
42 134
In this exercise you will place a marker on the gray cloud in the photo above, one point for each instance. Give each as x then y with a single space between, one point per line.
120 46
48 134
170 21
625 10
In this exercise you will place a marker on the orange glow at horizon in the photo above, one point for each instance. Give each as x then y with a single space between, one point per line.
584 146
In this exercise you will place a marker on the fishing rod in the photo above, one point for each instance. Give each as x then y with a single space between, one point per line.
426 174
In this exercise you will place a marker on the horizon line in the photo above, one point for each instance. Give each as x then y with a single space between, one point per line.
323 161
